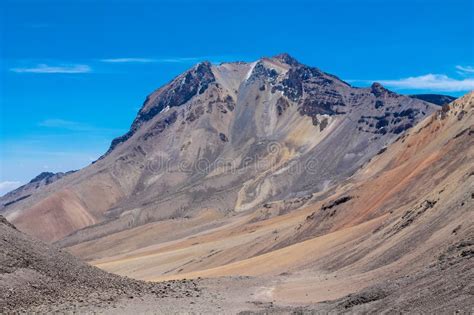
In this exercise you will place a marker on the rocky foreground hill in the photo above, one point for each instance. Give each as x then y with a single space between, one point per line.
35 277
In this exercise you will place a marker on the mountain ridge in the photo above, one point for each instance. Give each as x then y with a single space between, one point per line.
437 99
379 234
279 182
395 236
247 132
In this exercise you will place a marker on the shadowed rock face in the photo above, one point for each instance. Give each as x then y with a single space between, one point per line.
226 137
176 93
434 98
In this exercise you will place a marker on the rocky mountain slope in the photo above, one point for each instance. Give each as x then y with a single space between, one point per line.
396 236
437 99
244 195
35 277
220 140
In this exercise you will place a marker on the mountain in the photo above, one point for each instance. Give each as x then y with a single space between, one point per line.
434 98
397 236
23 192
38 278
278 186
223 139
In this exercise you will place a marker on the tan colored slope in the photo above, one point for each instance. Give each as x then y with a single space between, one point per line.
50 222
67 208
409 205
290 258
369 202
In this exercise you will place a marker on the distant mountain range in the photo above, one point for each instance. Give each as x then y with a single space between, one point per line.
434 98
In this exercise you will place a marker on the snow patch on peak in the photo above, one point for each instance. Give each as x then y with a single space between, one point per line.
164 110
249 72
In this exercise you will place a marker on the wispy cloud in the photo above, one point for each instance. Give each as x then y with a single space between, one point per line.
44 68
169 60
435 82
7 186
128 60
465 70
153 60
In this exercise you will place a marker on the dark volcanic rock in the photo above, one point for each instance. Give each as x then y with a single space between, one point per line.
8 203
363 297
161 125
378 90
177 92
223 137
5 222
49 177
286 58
437 99
41 176
282 104
336 202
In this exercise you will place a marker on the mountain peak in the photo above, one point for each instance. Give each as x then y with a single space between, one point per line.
41 176
203 65
377 86
230 112
286 58
378 89
49 177
312 90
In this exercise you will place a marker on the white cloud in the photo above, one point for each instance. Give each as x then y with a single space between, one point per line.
467 69
7 186
152 60
128 60
44 68
435 82
184 60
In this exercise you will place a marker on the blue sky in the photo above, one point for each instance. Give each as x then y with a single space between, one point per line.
73 74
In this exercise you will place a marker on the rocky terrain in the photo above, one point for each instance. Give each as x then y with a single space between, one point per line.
277 187
397 235
434 98
227 138
36 277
